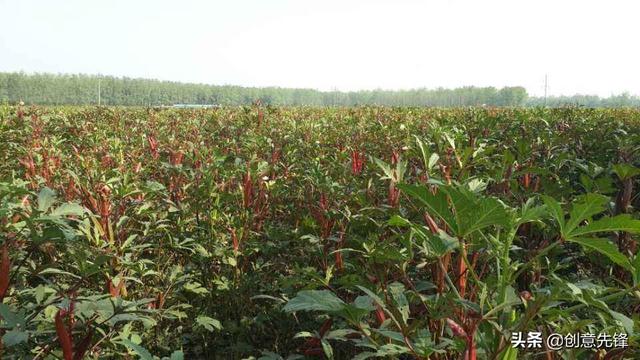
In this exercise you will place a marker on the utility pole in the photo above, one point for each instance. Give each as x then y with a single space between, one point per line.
99 90
545 89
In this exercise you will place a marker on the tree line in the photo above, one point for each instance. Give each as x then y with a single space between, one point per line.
79 89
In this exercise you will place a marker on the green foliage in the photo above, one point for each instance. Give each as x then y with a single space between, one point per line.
289 233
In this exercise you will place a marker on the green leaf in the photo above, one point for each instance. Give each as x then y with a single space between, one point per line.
392 350
397 292
195 287
397 220
364 302
393 335
625 171
450 140
574 289
442 243
208 323
303 334
353 313
40 292
376 299
623 222
433 160
46 198
437 204
115 319
328 350
477 186
14 337
11 319
511 353
68 209
583 208
626 322
364 355
386 169
636 267
423 343
428 161
530 213
474 212
320 300
605 247
340 334
555 210
57 272
139 350
177 355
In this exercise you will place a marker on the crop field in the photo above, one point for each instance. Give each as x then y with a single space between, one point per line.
318 233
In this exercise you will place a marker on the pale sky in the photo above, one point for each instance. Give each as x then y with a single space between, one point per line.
588 47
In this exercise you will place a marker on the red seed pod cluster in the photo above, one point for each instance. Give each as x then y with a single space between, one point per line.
321 215
153 146
247 190
357 162
5 269
65 335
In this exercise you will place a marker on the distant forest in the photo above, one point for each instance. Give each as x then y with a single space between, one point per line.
62 89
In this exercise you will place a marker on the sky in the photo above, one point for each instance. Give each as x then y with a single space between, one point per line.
587 47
